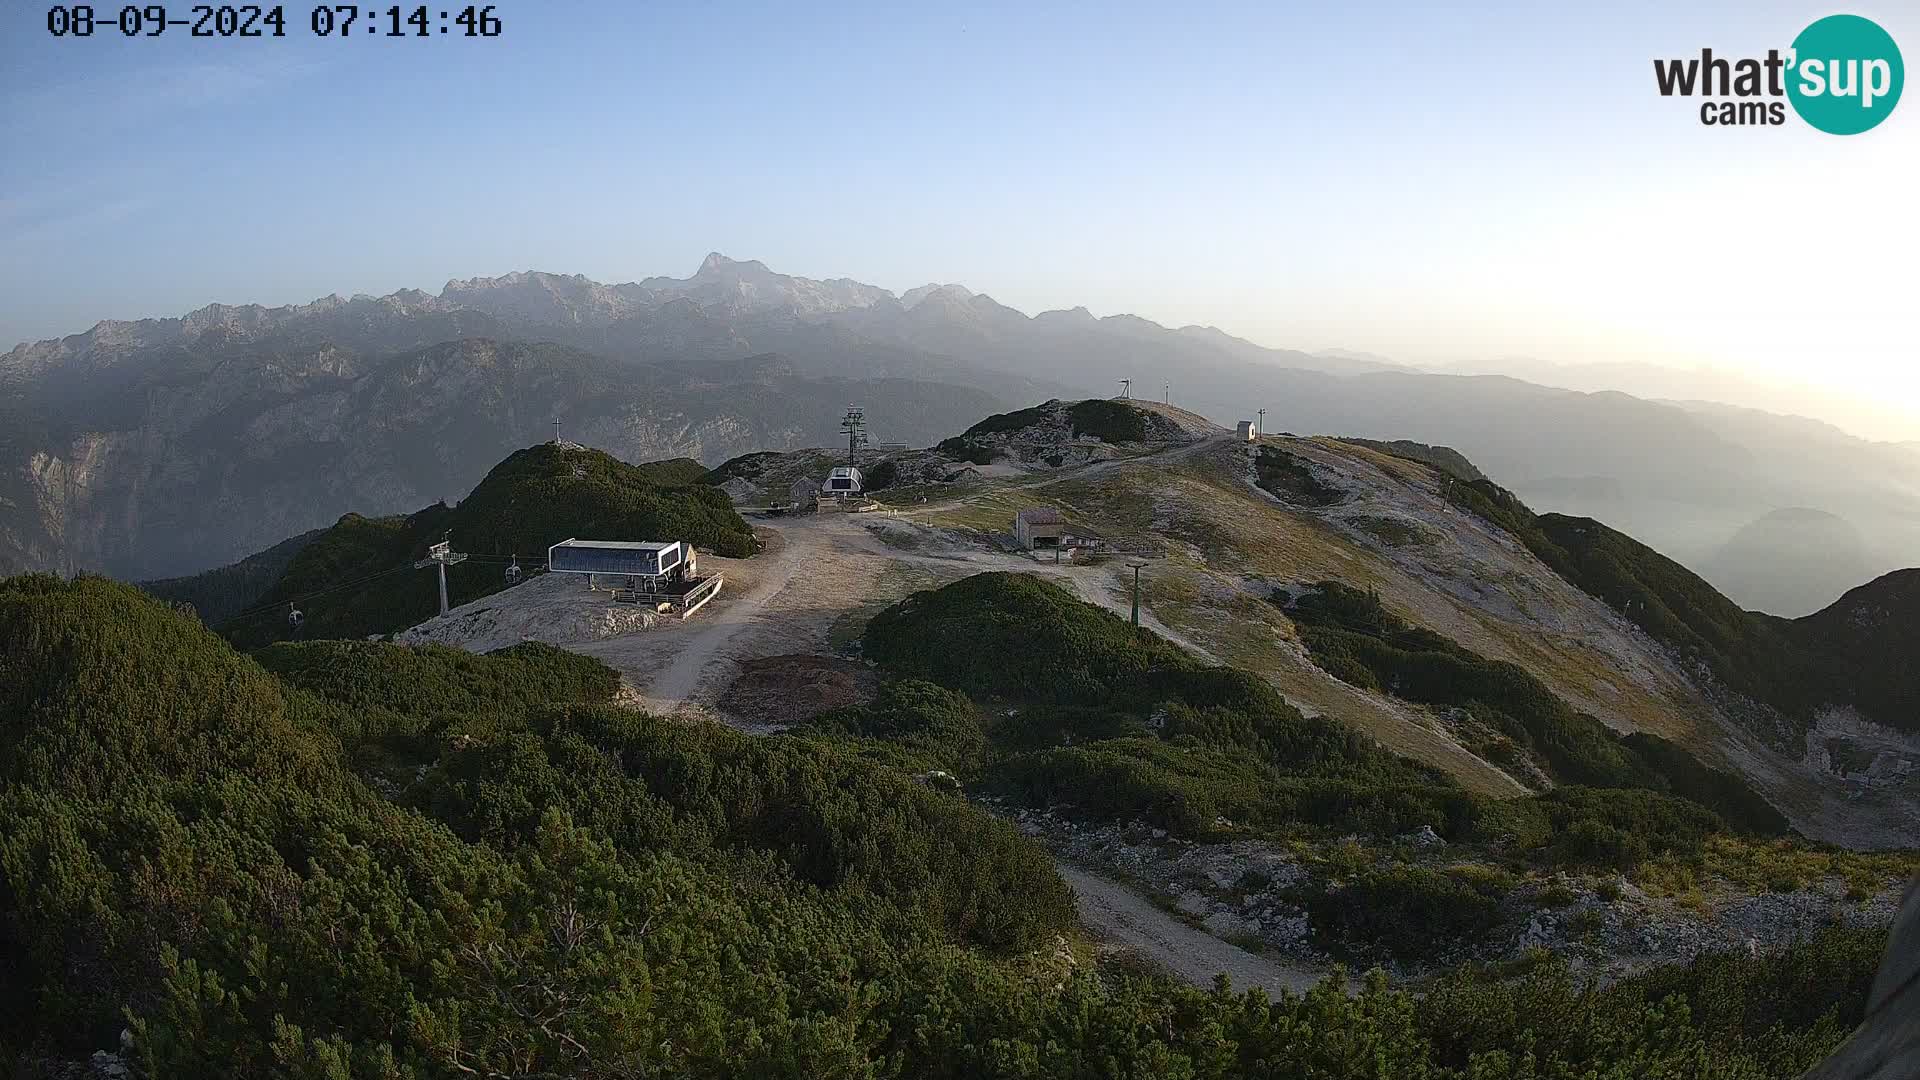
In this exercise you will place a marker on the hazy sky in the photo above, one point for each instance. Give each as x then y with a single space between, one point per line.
1396 178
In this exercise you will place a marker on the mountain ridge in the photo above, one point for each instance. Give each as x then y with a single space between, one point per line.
86 418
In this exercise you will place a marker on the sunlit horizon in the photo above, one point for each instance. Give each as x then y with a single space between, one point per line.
1444 189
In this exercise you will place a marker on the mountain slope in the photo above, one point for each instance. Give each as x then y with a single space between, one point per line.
1607 625
101 433
219 594
218 458
191 859
358 577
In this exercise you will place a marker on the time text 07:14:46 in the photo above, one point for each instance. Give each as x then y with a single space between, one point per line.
253 20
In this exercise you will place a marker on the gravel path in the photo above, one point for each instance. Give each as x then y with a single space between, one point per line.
703 639
1121 916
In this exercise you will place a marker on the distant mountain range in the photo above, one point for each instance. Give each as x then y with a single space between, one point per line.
1861 412
166 446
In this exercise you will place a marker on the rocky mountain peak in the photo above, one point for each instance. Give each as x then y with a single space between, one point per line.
718 265
949 291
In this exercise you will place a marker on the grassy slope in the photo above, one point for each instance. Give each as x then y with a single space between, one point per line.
1469 579
1096 719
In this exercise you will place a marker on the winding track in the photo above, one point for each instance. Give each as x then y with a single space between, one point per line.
1120 915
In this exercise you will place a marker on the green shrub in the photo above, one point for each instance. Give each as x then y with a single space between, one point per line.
1291 479
836 821
936 726
1009 421
962 448
1403 912
1108 421
183 853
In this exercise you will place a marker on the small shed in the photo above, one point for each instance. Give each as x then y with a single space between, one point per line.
843 480
803 492
1038 527
1243 431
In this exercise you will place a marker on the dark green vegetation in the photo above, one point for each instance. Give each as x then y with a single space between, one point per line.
1393 532
546 493
397 708
534 499
434 678
581 891
1856 652
223 592
967 446
671 472
1445 458
1104 419
1118 724
1290 478
1108 421
1009 421
1355 638
910 724
962 448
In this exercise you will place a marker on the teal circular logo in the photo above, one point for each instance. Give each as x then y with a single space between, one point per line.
1845 74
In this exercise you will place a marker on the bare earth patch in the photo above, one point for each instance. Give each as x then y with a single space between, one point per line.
780 691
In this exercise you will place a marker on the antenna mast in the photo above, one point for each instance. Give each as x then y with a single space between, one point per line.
854 424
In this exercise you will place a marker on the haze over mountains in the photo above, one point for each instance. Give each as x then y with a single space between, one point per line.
1871 412
167 446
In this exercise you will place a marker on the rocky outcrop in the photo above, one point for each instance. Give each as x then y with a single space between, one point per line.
1887 1045
1247 890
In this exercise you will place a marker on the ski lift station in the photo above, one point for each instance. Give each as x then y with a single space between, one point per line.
663 574
1038 527
843 480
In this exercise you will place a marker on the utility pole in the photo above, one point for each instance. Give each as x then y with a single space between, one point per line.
441 555
1166 394
556 433
1260 425
1136 591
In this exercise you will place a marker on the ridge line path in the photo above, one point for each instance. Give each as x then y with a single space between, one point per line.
695 645
1117 914
702 654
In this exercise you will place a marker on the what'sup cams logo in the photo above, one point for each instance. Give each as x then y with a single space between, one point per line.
1843 75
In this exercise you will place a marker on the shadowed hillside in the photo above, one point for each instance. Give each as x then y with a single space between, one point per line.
536 498
590 892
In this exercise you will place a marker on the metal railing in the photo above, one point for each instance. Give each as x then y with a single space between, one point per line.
680 603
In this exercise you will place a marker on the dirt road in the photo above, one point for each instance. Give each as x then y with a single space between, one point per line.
704 639
1121 916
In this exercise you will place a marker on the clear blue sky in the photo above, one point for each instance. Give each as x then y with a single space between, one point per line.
1396 177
